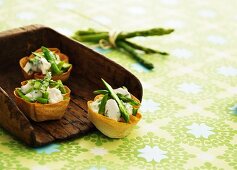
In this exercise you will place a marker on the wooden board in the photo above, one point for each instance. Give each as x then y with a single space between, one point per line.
88 68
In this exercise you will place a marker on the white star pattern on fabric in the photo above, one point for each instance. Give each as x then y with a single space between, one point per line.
25 15
200 130
174 24
216 39
99 151
181 53
149 106
190 88
206 156
65 5
169 2
64 31
150 154
102 19
137 10
95 168
40 167
207 13
227 71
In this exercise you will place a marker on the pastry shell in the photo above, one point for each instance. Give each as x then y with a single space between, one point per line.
63 77
42 112
110 127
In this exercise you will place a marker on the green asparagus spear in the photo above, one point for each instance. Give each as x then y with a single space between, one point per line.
91 37
42 100
60 65
101 92
124 112
134 111
45 95
37 85
51 58
145 33
146 50
23 96
127 100
88 32
37 54
134 54
46 82
62 89
103 103
55 68
66 66
61 86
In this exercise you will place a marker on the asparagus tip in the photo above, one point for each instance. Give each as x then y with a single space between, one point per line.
164 53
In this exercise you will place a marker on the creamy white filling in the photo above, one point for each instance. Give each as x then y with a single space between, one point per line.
34 94
55 95
25 88
95 105
112 110
27 67
122 91
128 107
43 66
111 107
57 58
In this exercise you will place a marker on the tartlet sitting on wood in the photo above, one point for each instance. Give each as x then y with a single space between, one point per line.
46 60
43 99
114 111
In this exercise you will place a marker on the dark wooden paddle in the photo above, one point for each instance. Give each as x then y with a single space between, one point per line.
88 69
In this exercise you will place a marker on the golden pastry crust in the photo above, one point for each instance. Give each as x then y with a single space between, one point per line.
63 77
110 127
42 112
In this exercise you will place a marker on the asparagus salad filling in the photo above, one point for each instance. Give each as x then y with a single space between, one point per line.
45 61
117 104
44 91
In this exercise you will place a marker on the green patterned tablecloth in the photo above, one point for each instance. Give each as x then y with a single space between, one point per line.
190 98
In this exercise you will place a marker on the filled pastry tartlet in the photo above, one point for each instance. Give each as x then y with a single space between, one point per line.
114 111
46 60
43 99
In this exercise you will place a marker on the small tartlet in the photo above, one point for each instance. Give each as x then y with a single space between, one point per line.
43 112
63 77
109 126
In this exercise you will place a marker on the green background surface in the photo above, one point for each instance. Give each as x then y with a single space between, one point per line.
189 106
